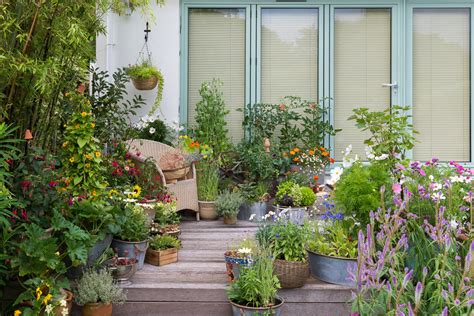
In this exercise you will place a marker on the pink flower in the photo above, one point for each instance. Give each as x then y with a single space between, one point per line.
397 188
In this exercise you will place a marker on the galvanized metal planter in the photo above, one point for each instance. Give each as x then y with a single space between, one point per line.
241 310
331 269
257 208
296 215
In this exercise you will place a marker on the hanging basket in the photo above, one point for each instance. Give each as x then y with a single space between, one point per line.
145 83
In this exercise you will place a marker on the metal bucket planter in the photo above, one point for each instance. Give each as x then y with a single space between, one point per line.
258 209
331 269
241 310
122 272
131 249
92 255
296 215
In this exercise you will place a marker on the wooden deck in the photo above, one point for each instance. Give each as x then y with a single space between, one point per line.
196 284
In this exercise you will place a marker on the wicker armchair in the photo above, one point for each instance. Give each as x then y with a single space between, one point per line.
185 190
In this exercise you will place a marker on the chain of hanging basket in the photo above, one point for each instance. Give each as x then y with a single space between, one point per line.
145 49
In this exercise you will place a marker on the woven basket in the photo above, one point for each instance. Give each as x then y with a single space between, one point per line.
291 274
145 83
173 175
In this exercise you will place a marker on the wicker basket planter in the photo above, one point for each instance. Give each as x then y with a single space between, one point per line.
145 83
207 210
292 274
161 257
241 310
173 175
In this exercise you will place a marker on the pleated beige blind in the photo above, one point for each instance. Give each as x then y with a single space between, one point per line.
362 63
289 54
441 84
217 50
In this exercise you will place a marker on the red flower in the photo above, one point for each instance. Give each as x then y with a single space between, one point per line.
128 156
115 164
10 162
25 184
53 184
24 216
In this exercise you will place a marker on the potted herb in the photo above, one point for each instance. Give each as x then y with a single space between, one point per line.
292 201
227 206
208 187
287 241
132 239
162 250
255 291
96 292
333 252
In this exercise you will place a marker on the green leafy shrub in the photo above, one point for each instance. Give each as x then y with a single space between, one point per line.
256 286
155 130
334 241
166 213
98 287
164 242
358 190
308 196
228 203
288 241
133 223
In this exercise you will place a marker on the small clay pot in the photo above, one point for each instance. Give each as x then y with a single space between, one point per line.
230 220
97 309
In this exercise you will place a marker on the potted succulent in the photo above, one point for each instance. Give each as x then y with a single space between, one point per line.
132 239
287 241
239 255
96 292
162 250
145 76
227 206
332 253
293 200
208 188
255 291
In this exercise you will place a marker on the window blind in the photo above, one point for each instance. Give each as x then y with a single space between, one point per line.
289 54
441 83
216 49
362 63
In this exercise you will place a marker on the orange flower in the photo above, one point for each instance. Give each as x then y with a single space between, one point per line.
292 153
282 107
296 159
316 178
296 150
325 153
322 148
311 152
197 144
331 160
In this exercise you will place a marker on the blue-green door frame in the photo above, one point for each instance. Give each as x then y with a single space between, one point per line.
402 23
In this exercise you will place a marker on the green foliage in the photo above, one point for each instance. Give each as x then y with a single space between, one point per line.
81 152
166 213
358 191
122 7
228 203
288 241
391 132
253 192
207 180
258 165
155 130
110 107
256 285
94 216
164 242
308 196
132 222
98 287
211 111
335 240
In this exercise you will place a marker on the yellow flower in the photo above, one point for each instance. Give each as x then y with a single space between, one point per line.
94 193
98 154
65 144
38 293
92 125
136 191
84 114
17 313
112 192
47 298
87 165
78 126
88 156
66 94
57 253
71 160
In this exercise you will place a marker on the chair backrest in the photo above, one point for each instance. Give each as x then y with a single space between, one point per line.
148 148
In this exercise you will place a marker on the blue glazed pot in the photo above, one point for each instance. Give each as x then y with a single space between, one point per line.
241 310
236 263
331 269
135 249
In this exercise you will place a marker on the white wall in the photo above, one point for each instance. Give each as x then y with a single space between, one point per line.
125 38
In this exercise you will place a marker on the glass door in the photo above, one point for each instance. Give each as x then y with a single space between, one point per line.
362 72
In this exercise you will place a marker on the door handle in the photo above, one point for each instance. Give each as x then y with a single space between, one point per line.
390 85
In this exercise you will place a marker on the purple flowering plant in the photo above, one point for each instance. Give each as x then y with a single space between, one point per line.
410 268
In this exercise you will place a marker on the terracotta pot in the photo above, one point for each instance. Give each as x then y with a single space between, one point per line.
145 83
97 309
207 210
58 310
230 220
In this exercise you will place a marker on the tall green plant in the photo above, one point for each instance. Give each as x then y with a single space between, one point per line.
211 124
207 180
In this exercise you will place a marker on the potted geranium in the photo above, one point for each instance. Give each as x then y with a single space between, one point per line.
162 250
96 292
287 241
227 206
332 252
208 188
255 291
132 239
292 201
